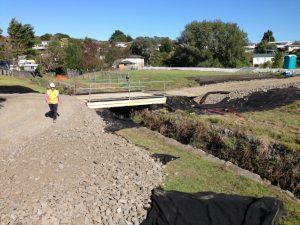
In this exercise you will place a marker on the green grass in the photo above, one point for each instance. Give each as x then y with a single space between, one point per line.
25 82
176 78
190 173
280 124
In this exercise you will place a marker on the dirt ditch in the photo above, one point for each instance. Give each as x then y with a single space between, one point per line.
274 160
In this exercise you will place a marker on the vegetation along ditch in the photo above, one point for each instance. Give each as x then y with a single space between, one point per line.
242 140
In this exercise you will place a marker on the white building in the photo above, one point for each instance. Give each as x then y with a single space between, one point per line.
259 59
132 62
27 65
41 46
294 46
121 44
282 45
250 48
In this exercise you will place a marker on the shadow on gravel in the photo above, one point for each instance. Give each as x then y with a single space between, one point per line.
2 100
261 100
15 89
116 121
164 158
205 80
257 101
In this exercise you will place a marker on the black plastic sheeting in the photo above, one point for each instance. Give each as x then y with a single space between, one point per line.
164 158
176 208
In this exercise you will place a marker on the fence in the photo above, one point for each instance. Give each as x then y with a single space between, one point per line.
225 70
5 72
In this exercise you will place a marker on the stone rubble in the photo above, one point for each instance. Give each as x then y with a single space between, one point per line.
75 173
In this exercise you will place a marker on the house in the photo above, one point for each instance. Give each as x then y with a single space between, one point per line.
41 46
260 59
27 65
4 65
132 62
250 48
121 44
281 45
294 46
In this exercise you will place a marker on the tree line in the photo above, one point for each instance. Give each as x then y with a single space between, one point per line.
201 44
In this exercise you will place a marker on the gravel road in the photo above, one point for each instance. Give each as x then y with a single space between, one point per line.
71 172
240 88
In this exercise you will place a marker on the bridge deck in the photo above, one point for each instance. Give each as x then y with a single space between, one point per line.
122 99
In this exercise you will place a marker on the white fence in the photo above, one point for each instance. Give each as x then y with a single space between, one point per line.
225 70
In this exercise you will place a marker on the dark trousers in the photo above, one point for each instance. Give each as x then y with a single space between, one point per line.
53 110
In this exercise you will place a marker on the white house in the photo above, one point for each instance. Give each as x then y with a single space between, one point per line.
41 46
27 65
294 46
282 45
250 48
132 62
121 44
259 59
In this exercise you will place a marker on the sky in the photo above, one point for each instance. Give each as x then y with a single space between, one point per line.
98 18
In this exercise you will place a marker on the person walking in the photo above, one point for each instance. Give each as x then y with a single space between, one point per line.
52 99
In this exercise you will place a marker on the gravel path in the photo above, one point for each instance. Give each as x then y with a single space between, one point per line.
237 88
71 172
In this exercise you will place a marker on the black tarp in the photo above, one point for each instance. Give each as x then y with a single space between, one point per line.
176 208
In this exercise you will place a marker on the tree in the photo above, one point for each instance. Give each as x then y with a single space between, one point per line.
1 32
265 45
268 36
297 53
60 36
144 46
129 38
119 36
277 61
114 53
53 58
211 43
166 45
21 36
90 59
73 54
46 37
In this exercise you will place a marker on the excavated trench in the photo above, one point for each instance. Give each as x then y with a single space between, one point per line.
275 162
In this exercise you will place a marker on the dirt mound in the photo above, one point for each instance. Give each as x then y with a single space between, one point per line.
264 100
256 101
205 80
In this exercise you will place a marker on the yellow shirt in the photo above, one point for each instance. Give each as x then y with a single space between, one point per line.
52 96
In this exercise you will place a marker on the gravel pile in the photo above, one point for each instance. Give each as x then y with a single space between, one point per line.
76 173
239 93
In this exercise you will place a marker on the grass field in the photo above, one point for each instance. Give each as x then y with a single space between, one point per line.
190 173
25 82
175 78
140 79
